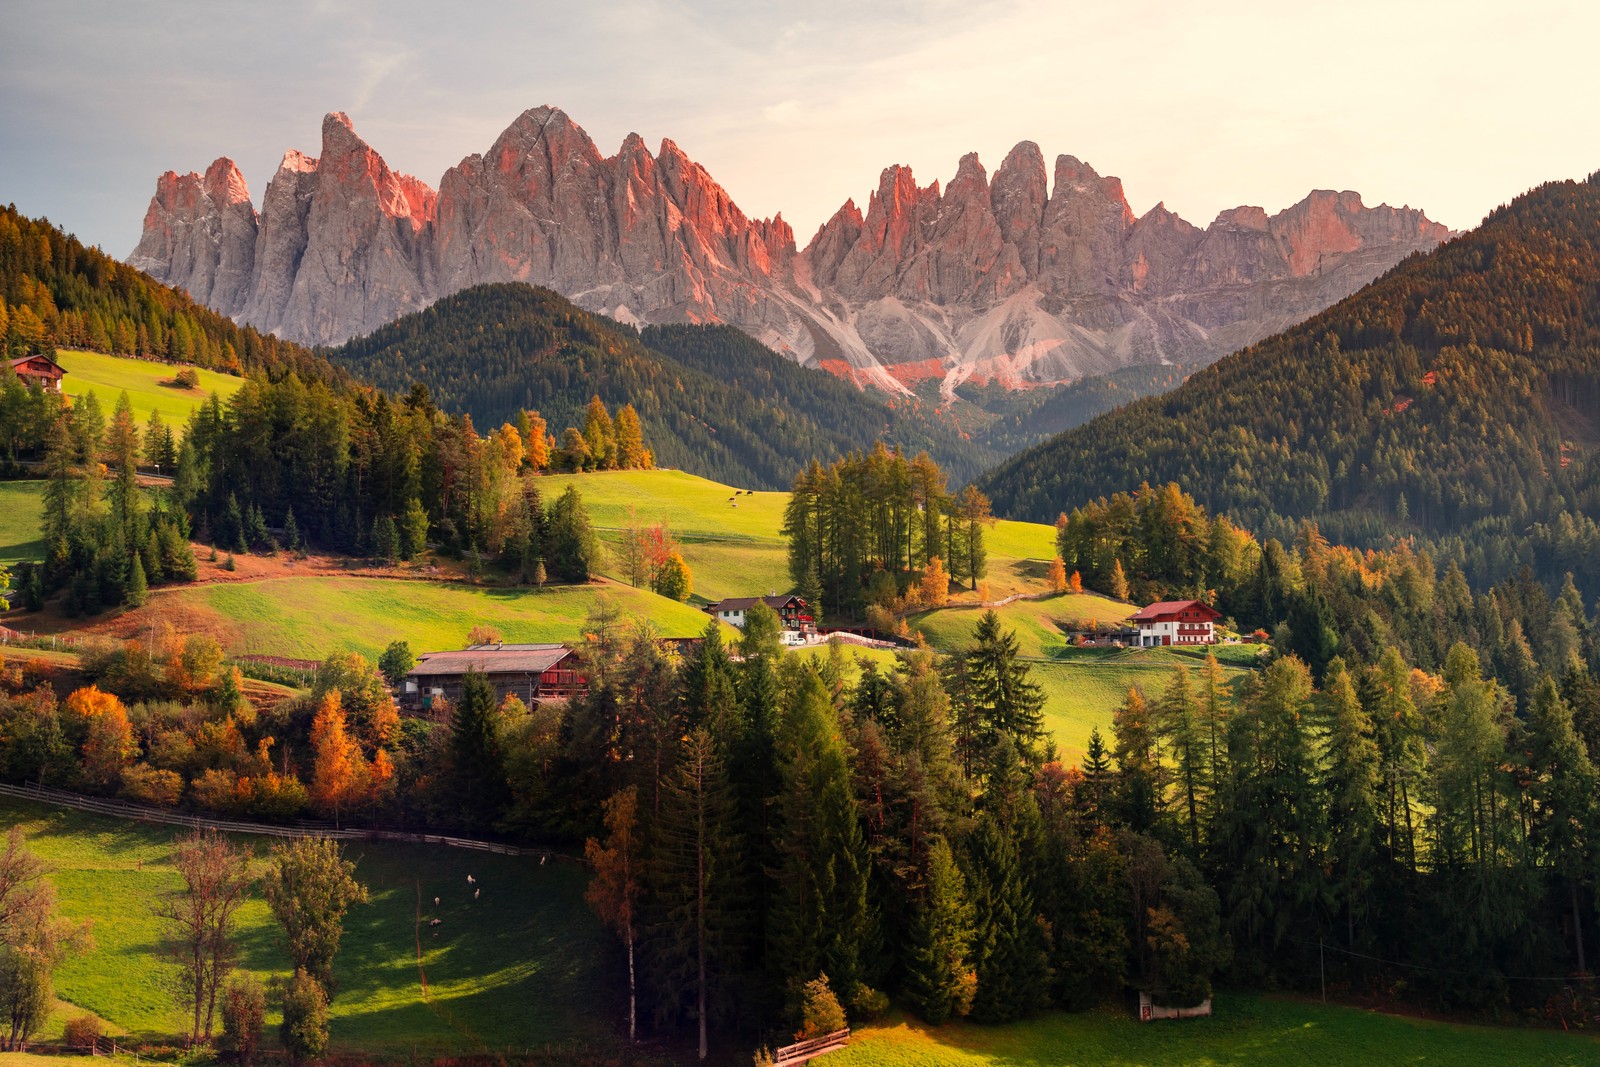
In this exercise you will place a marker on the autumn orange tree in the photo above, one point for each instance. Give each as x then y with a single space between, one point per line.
341 776
107 737
1058 576
935 583
615 889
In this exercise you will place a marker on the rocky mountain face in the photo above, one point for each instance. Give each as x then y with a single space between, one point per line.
1024 279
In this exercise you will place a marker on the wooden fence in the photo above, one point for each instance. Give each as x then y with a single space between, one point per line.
801 1051
122 809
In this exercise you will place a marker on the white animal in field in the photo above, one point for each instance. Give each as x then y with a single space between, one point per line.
470 879
435 922
436 902
542 859
475 893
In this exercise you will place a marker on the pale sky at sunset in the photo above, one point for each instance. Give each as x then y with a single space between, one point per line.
1453 107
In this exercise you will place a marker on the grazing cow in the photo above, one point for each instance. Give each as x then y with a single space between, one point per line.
475 893
435 922
436 902
470 879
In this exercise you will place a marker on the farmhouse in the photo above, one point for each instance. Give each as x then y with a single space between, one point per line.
39 370
1175 622
793 614
528 672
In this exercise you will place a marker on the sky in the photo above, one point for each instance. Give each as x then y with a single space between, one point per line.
1453 107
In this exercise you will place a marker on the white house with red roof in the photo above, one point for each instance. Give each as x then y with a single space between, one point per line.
1176 622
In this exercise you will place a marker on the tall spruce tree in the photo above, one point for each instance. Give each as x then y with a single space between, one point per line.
822 918
695 869
1010 955
1566 813
940 979
477 765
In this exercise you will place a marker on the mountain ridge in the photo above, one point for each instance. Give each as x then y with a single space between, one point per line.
1028 278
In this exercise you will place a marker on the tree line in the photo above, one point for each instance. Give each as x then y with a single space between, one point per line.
865 529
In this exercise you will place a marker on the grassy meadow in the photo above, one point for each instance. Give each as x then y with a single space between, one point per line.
524 965
308 617
21 518
1246 1031
146 383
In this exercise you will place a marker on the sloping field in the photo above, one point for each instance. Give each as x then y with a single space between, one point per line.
1247 1031
521 965
309 617
107 376
731 538
1040 625
21 516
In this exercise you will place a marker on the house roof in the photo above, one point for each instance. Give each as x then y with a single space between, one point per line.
492 659
1168 608
18 363
745 603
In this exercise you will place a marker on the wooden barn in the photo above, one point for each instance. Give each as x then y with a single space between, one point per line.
39 370
528 672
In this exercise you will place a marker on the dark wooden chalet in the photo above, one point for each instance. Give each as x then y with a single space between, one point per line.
528 672
39 370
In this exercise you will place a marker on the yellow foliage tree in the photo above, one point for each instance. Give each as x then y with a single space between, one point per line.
107 737
1075 585
935 583
1058 576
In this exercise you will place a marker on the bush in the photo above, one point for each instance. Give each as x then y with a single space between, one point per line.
149 785
820 1012
82 1031
187 378
304 1032
244 1011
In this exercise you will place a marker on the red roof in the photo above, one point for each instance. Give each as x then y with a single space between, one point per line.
1171 609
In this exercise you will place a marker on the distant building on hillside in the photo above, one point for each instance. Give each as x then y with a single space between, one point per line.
794 614
528 672
39 370
1175 622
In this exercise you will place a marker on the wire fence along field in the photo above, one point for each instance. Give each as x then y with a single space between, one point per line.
122 809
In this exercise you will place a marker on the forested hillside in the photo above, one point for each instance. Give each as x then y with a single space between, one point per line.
1455 399
711 402
54 291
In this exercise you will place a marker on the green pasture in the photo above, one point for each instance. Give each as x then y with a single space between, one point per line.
107 376
309 617
21 518
1247 1031
1040 625
523 965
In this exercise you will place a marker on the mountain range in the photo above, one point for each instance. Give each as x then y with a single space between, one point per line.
1026 278
1455 401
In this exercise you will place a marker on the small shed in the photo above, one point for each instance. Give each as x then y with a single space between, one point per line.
39 370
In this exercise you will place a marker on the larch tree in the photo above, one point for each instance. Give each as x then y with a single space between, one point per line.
340 777
1352 785
1058 575
618 883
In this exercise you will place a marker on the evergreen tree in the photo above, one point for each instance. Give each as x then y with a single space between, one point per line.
413 530
138 586
1351 785
940 980
291 532
600 434
477 765
571 548
1563 789
1009 951
1178 722
695 870
1140 775
822 918
997 690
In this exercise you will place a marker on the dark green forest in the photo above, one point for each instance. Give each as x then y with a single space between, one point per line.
1453 400
711 401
